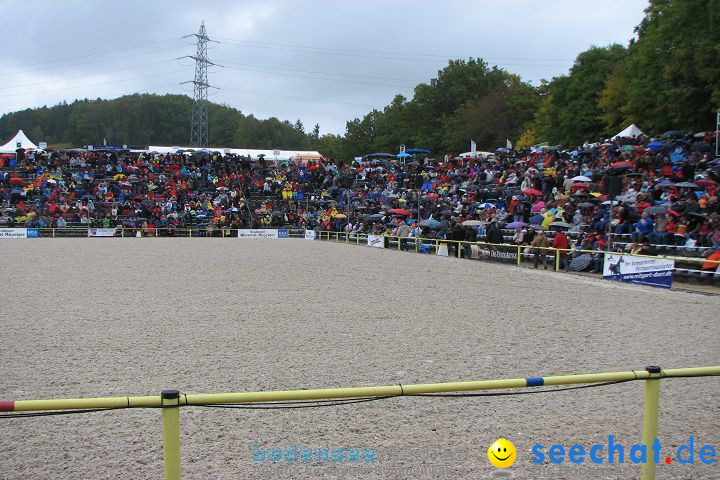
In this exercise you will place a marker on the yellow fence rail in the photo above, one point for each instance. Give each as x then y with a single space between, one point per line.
170 401
416 243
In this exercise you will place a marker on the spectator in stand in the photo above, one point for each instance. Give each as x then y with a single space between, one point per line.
539 248
644 226
561 243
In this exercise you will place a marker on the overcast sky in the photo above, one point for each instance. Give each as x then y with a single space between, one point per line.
320 61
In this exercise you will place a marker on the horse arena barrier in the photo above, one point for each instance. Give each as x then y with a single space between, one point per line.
170 401
686 268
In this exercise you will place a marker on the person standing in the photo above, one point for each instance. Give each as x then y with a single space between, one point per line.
539 246
561 244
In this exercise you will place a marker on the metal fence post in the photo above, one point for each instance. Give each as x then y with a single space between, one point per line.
171 433
557 260
519 254
650 419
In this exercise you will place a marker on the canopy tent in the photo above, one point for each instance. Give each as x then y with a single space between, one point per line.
12 145
269 155
631 131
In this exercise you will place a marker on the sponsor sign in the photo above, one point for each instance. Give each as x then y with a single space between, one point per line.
442 250
376 241
656 272
260 233
493 253
283 233
309 234
101 232
19 233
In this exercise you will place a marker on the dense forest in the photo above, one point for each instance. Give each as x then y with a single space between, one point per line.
667 78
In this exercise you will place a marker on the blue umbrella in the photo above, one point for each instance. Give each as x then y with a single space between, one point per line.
515 225
404 155
416 150
665 183
430 223
655 145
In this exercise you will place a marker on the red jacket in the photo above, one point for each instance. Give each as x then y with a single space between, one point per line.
560 241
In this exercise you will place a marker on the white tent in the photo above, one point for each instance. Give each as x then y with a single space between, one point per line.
20 138
282 155
631 131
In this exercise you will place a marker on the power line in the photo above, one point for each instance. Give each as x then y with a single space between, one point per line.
133 55
55 80
336 74
320 78
308 99
379 54
100 53
90 85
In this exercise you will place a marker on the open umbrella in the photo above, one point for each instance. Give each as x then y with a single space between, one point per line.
656 210
485 205
622 164
665 183
561 225
585 205
581 178
696 215
706 182
515 225
401 211
431 223
686 185
580 263
472 223
532 192
618 170
538 206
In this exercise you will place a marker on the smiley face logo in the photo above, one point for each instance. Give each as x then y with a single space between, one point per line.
502 453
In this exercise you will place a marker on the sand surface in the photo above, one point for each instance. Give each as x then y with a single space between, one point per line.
103 317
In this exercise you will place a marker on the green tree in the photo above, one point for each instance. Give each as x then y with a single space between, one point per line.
673 71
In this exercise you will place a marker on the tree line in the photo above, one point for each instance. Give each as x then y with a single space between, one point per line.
666 78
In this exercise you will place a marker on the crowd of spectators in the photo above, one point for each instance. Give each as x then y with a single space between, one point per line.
669 193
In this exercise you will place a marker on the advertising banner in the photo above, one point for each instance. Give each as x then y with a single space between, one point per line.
283 233
493 253
376 241
309 234
18 233
259 233
101 232
656 272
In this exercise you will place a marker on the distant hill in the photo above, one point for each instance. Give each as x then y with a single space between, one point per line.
144 119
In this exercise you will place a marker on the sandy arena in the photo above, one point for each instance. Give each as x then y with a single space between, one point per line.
105 317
